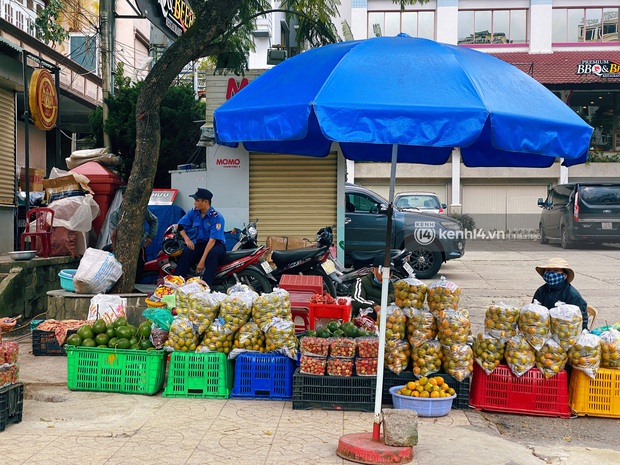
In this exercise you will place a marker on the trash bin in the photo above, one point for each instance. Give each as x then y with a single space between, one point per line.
104 184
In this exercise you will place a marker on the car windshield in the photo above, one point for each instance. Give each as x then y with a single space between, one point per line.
418 201
600 195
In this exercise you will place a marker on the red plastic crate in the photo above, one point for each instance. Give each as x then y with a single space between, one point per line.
329 311
530 394
303 283
301 318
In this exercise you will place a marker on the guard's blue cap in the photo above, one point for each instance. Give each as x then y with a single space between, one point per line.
204 194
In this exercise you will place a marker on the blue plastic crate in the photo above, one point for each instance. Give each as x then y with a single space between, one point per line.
263 376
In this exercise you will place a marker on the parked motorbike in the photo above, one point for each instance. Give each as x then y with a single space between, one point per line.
311 261
240 265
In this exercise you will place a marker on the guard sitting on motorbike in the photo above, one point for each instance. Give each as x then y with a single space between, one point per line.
202 229
366 298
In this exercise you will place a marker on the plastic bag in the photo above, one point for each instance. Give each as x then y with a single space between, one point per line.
458 361
280 338
342 347
367 347
182 295
396 322
312 365
337 366
236 308
366 366
442 295
410 292
97 272
534 323
453 328
182 336
204 308
421 327
276 304
519 355
585 355
566 324
108 307
488 351
551 358
249 338
501 321
218 338
427 358
161 317
397 354
317 346
610 348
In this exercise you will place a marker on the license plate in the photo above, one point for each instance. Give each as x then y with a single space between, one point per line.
266 267
408 268
328 266
606 226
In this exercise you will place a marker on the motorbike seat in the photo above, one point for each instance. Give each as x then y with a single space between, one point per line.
231 256
283 257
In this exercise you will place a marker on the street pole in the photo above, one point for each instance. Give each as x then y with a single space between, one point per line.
104 25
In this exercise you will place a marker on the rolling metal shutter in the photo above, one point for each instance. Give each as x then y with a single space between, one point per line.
7 147
292 195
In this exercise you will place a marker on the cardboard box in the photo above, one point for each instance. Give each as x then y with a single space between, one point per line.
284 243
36 179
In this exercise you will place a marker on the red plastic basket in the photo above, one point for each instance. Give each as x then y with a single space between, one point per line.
329 311
301 318
298 282
530 394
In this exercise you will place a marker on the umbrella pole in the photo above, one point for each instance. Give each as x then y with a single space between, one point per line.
376 430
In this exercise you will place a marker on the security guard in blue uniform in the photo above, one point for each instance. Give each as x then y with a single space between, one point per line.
202 229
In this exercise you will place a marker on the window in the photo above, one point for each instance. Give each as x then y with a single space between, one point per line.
601 110
30 5
84 51
492 27
8 12
391 23
585 25
19 20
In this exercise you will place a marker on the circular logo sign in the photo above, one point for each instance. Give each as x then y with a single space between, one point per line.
43 99
424 236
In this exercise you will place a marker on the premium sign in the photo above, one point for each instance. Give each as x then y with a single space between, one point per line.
600 68
172 17
43 100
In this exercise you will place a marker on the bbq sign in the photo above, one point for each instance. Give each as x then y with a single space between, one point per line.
43 100
600 68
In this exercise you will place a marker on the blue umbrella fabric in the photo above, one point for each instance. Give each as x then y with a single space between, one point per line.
424 96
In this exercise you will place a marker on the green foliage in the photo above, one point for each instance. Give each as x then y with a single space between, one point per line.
466 220
47 24
598 156
179 133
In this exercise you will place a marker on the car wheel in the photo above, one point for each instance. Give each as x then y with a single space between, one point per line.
543 238
565 241
425 261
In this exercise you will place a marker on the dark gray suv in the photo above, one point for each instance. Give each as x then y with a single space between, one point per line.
432 238
581 212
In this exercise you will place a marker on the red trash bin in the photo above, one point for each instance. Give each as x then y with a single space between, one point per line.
104 184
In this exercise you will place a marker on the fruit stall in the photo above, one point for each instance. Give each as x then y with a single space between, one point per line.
299 345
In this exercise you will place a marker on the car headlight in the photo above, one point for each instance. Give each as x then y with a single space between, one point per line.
451 225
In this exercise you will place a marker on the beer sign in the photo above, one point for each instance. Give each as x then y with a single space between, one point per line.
42 100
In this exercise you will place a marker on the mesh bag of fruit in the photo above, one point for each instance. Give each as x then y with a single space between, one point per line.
551 358
397 354
312 345
218 338
453 327
182 335
248 338
458 361
203 308
183 295
236 308
396 322
488 351
409 292
280 338
276 304
421 327
427 358
519 355
585 355
534 323
442 295
566 324
610 348
501 321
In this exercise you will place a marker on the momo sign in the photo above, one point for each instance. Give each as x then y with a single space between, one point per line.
172 17
43 100
228 162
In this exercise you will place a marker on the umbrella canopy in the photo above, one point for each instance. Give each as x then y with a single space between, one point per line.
425 96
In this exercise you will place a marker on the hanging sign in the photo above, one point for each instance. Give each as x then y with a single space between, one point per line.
172 17
600 68
43 100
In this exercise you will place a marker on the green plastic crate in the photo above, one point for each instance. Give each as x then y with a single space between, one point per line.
115 370
202 375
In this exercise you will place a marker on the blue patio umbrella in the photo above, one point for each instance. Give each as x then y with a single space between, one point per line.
403 99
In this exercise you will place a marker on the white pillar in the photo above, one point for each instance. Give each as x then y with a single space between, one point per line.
563 173
540 26
447 15
455 204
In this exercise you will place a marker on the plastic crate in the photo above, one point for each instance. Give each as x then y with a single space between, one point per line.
329 311
199 375
34 324
390 379
301 318
263 376
428 407
530 394
45 343
115 370
11 405
303 283
333 392
599 397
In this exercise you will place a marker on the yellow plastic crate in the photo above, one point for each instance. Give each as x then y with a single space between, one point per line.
599 397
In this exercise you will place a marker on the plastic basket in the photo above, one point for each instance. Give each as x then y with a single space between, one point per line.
11 404
66 279
355 393
45 343
303 283
599 397
127 371
530 394
329 311
301 318
199 375
426 407
390 379
263 376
